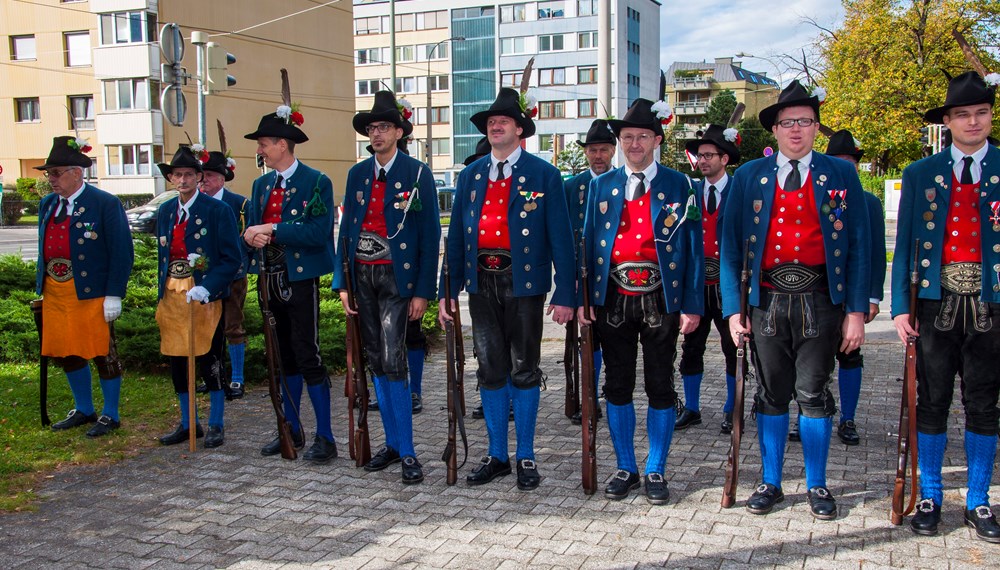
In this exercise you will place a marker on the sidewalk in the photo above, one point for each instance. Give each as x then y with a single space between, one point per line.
232 508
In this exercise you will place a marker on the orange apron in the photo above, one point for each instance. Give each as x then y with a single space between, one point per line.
72 327
173 314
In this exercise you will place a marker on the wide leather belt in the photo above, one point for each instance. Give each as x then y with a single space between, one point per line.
179 269
494 260
795 278
60 269
712 270
637 276
274 254
372 247
964 278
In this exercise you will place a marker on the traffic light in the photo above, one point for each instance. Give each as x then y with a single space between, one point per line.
925 136
217 62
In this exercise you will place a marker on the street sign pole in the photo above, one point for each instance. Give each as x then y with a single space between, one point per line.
199 39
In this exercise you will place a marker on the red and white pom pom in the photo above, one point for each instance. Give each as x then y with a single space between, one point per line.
405 108
732 135
663 112
200 152
819 93
297 119
992 79
230 164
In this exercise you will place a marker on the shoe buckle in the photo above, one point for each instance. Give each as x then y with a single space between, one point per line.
104 420
409 461
849 424
762 488
926 506
654 478
622 474
821 492
485 460
983 512
235 385
72 413
527 464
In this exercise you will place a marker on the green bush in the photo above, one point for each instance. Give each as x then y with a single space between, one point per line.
13 208
876 184
130 201
26 188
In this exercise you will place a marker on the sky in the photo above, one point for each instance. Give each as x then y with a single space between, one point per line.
699 30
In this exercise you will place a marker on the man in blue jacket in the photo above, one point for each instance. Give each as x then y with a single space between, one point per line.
803 218
389 233
84 259
646 270
509 227
949 227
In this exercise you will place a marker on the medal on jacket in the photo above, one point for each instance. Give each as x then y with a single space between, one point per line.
995 218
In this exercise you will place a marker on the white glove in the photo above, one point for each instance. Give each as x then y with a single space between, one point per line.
112 308
198 293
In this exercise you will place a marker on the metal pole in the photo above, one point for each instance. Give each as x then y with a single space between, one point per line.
392 45
430 122
199 39
604 79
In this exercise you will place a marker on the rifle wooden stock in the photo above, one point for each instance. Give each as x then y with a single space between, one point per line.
736 438
571 365
356 381
455 369
275 372
586 382
43 365
906 444
460 356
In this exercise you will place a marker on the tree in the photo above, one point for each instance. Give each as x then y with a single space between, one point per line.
672 148
721 108
572 160
754 139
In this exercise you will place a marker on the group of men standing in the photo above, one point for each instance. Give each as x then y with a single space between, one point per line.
664 257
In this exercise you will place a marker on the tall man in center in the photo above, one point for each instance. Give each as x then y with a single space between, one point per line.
647 273
509 227
390 233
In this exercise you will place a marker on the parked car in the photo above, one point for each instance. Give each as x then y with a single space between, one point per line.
143 218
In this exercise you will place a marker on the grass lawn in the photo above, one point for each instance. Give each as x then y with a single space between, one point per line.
28 221
32 453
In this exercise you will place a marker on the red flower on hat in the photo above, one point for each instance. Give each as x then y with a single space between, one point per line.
297 118
200 152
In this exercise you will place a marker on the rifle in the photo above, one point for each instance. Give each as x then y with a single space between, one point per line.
733 461
586 382
455 370
43 364
906 445
355 383
275 370
571 365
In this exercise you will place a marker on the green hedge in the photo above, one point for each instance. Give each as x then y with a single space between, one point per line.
13 208
138 335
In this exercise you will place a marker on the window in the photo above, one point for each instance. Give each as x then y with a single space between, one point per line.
587 40
28 110
432 20
512 13
552 110
132 160
440 146
404 22
439 115
511 46
128 28
553 76
465 13
22 47
368 56
434 51
585 75
90 173
633 80
588 108
548 143
439 83
633 47
367 86
405 53
366 26
81 112
511 79
549 10
550 43
406 85
77 47
362 148
586 7
125 94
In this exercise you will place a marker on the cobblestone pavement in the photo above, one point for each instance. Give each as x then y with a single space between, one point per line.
232 508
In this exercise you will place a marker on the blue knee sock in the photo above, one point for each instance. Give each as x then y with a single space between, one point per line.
80 385
112 390
217 409
402 414
525 416
319 394
850 392
692 392
930 456
415 361
236 355
980 451
293 396
621 423
496 407
772 431
660 428
730 393
815 434
182 398
385 411
598 364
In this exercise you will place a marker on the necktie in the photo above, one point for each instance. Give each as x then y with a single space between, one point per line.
712 203
381 175
500 169
278 182
967 171
640 188
63 211
794 180
182 216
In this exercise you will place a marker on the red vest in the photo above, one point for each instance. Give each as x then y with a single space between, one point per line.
178 249
634 241
275 203
962 241
494 232
794 234
374 221
57 239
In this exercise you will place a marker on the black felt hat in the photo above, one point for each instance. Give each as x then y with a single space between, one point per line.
384 108
843 142
65 152
966 89
640 115
482 149
795 95
507 104
183 158
271 125
716 135
218 162
599 132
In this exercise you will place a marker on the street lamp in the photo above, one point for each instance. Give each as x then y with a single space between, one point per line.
430 121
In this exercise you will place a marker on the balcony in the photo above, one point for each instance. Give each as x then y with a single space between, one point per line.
133 184
127 60
130 127
692 84
691 108
104 6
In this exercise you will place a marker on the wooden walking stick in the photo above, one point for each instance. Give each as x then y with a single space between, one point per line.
192 422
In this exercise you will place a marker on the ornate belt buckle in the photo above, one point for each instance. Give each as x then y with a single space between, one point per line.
495 260
637 276
179 269
60 269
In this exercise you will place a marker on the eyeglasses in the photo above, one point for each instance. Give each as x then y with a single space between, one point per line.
53 173
641 139
804 122
380 127
707 155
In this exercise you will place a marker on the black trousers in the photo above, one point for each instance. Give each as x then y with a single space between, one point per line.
383 317
795 338
959 335
209 365
295 305
849 360
693 345
506 332
415 337
624 322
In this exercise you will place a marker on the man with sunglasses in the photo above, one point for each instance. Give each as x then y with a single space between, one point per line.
85 257
803 218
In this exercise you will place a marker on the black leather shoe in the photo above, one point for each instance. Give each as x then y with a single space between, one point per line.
822 504
180 435
412 472
764 498
527 475
687 419
477 412
417 403
848 433
577 418
926 518
621 484
372 405
201 388
727 424
75 418
274 448
384 458
235 391
103 426
489 469
793 432
982 519
321 451
215 437
657 492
